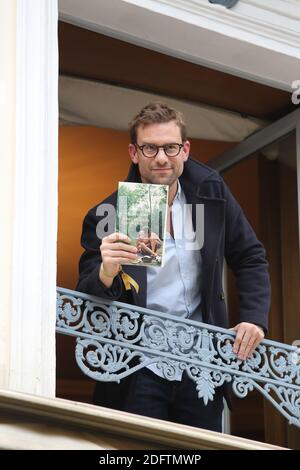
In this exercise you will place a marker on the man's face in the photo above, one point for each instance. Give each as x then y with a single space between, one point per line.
160 169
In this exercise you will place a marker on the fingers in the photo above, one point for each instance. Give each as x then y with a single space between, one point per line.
116 255
115 251
117 241
120 246
113 237
247 339
247 346
238 340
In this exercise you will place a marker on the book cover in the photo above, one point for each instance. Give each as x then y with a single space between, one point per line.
142 216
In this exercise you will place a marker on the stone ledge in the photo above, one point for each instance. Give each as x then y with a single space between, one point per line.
34 422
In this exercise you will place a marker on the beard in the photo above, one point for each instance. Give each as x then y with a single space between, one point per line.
156 177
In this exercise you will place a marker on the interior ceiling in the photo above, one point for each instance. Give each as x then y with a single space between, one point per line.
93 56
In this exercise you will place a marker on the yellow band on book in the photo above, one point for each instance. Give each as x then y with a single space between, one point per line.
129 281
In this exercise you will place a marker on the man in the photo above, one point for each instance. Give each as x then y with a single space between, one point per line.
190 283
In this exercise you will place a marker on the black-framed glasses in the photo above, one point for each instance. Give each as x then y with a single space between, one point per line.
151 150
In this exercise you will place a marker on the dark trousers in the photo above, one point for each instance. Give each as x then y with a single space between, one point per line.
153 396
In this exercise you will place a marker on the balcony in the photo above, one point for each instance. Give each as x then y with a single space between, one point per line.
114 339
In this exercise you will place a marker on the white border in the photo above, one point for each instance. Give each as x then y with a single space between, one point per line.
36 206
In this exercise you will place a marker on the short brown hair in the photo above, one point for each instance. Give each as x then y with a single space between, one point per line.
155 113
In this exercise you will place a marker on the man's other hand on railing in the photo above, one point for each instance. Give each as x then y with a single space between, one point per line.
248 337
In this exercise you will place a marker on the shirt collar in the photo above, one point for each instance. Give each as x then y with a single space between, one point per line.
179 190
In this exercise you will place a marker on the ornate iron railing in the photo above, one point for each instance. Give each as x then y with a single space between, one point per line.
115 339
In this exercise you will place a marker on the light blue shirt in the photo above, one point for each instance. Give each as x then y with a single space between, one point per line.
176 287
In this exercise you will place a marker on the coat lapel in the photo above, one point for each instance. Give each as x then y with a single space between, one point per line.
214 221
214 217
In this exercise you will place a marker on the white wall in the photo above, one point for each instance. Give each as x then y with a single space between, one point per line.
28 194
7 151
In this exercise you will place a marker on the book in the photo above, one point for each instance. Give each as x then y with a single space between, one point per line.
142 216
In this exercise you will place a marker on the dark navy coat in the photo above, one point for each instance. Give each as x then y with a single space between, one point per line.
227 235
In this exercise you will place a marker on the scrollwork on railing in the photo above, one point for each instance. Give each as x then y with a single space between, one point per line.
116 339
